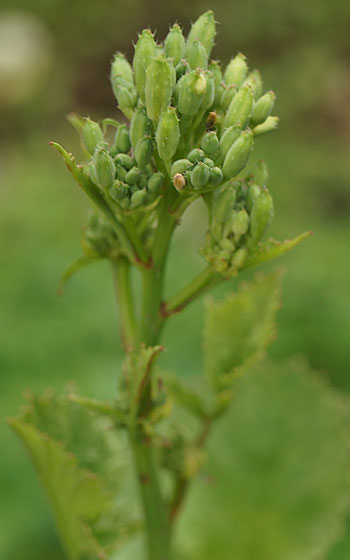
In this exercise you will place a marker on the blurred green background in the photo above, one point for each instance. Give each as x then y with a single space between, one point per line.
54 58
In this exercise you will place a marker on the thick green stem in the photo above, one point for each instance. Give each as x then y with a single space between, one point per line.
121 272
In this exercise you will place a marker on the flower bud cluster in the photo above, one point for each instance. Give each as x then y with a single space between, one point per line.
99 239
241 213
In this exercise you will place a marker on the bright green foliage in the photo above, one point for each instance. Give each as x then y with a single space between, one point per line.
238 329
280 465
80 463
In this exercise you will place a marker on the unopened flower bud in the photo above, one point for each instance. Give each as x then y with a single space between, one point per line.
197 56
159 87
121 68
138 198
240 108
144 151
122 139
195 155
210 143
181 68
192 87
140 126
227 96
270 124
120 172
174 44
200 175
255 82
215 69
236 70
237 156
239 258
209 95
229 136
216 176
224 204
240 222
260 216
126 161
168 134
179 181
260 173
118 191
263 108
104 168
145 51
125 93
180 166
92 135
155 182
132 176
203 30
253 192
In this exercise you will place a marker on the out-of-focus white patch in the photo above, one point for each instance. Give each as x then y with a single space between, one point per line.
25 56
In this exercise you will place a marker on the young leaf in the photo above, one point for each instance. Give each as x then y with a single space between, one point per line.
272 248
79 462
238 328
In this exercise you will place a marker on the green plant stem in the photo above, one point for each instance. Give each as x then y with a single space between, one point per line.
205 280
121 272
156 518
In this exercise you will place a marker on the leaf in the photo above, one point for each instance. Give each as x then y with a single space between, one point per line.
238 328
272 248
77 265
80 463
184 395
279 460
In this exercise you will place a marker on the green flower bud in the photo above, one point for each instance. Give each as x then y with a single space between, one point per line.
203 30
197 56
126 161
143 180
121 68
239 258
174 44
260 173
229 136
210 143
263 108
237 156
227 96
145 51
240 108
240 222
104 168
261 216
209 96
168 134
159 87
122 140
255 82
179 181
125 93
200 175
120 172
209 162
253 192
215 69
216 176
227 244
144 151
125 203
270 124
195 155
132 176
224 205
92 135
236 70
118 191
138 198
181 69
155 182
180 166
140 126
192 87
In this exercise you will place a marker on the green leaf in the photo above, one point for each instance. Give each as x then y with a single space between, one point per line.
272 248
80 463
280 465
238 328
184 395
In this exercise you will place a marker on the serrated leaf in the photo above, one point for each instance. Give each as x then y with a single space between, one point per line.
272 248
79 461
280 463
238 328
